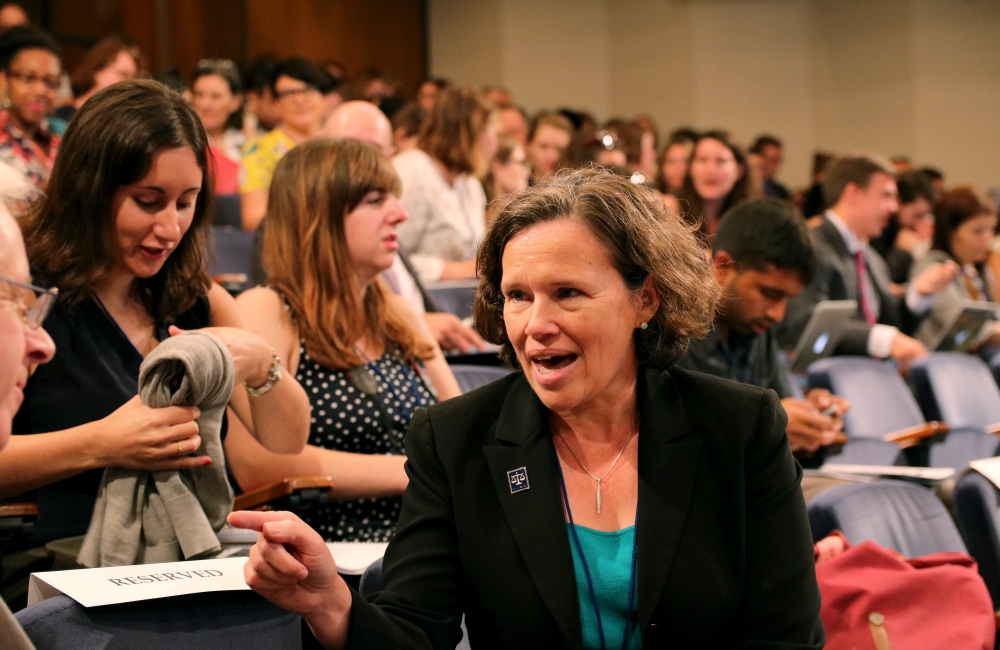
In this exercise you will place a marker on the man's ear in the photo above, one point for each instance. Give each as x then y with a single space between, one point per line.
723 267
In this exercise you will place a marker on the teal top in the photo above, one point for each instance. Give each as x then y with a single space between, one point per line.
609 558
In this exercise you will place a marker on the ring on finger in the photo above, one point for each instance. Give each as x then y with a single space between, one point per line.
180 449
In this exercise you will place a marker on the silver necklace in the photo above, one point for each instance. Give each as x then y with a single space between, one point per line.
615 462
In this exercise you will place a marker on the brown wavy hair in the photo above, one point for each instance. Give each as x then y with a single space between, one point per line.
452 128
692 205
641 238
101 56
305 251
110 143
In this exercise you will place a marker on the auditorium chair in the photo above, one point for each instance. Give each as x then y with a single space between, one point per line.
472 377
227 211
977 513
959 389
455 296
884 425
237 620
894 514
371 581
233 264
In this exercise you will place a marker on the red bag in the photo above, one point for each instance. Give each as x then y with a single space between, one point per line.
873 596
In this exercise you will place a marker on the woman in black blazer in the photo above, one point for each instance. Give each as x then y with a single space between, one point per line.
695 534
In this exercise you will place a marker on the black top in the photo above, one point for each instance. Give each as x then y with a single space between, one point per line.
95 371
725 555
748 359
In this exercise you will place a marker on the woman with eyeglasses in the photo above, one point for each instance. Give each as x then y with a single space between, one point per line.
298 86
122 234
217 96
29 80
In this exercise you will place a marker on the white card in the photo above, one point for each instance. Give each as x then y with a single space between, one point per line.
988 467
128 584
354 557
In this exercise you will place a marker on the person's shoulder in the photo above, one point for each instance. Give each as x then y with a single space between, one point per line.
718 408
930 258
412 161
709 387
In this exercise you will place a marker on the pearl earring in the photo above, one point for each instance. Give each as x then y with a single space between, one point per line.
644 326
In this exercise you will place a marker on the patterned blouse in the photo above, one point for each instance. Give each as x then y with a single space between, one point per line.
346 418
33 158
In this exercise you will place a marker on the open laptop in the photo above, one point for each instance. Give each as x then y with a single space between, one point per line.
967 328
822 332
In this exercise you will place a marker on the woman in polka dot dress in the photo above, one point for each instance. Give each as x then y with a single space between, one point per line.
366 361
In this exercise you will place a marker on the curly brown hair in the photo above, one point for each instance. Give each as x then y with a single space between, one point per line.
452 128
642 239
110 143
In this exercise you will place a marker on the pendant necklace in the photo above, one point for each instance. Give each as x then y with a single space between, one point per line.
631 433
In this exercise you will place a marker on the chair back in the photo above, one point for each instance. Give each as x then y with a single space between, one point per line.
956 388
234 252
470 377
213 621
227 211
894 514
455 297
868 451
977 512
880 400
962 446
371 579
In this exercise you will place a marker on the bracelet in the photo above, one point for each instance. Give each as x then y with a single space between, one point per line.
273 376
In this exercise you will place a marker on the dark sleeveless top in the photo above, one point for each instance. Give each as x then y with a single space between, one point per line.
346 419
95 371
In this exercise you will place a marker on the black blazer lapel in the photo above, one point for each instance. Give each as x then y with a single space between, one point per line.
668 466
535 515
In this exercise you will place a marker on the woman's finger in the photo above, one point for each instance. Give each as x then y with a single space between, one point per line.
171 415
255 520
185 462
277 556
179 448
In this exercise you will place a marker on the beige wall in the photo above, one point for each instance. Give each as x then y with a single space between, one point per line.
913 77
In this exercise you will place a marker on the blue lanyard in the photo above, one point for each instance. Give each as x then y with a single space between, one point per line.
586 567
413 381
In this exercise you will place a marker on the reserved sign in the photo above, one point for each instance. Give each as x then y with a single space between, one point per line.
127 584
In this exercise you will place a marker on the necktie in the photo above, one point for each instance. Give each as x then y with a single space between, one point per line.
864 288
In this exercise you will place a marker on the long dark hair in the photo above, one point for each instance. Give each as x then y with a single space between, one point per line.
692 206
110 143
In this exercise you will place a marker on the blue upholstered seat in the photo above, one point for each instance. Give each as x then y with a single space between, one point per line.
977 512
471 377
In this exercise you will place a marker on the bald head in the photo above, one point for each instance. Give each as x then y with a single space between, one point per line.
362 121
12 15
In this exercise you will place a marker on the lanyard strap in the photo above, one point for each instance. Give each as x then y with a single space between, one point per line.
586 566
413 381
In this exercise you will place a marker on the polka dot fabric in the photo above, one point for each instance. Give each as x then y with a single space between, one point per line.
346 419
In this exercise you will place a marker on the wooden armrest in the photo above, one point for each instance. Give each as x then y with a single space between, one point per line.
19 510
915 435
997 616
993 428
283 488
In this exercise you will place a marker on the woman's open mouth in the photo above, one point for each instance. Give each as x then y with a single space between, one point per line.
549 366
153 253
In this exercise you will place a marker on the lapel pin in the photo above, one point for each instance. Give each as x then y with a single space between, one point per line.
518 479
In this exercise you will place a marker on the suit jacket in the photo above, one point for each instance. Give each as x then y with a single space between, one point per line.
837 279
725 554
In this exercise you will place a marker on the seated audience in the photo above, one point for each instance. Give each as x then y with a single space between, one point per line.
360 120
24 344
546 486
548 139
509 170
217 96
30 75
442 193
262 110
761 257
936 178
770 151
298 86
121 233
908 235
113 59
964 224
717 179
366 361
813 203
514 124
861 190
406 125
428 92
499 97
672 166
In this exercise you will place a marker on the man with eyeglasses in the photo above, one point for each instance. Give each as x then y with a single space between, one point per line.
298 86
23 345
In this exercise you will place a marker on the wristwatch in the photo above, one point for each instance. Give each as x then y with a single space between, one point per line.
273 376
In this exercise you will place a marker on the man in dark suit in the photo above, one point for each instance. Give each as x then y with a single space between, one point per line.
769 152
861 192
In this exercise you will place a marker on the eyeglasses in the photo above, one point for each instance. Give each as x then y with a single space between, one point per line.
35 315
295 92
29 78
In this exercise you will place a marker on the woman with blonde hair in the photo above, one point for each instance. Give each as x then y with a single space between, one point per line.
366 361
441 189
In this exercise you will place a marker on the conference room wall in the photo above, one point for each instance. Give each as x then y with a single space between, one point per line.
913 77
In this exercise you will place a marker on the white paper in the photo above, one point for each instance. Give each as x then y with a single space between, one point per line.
988 467
128 584
354 557
928 473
